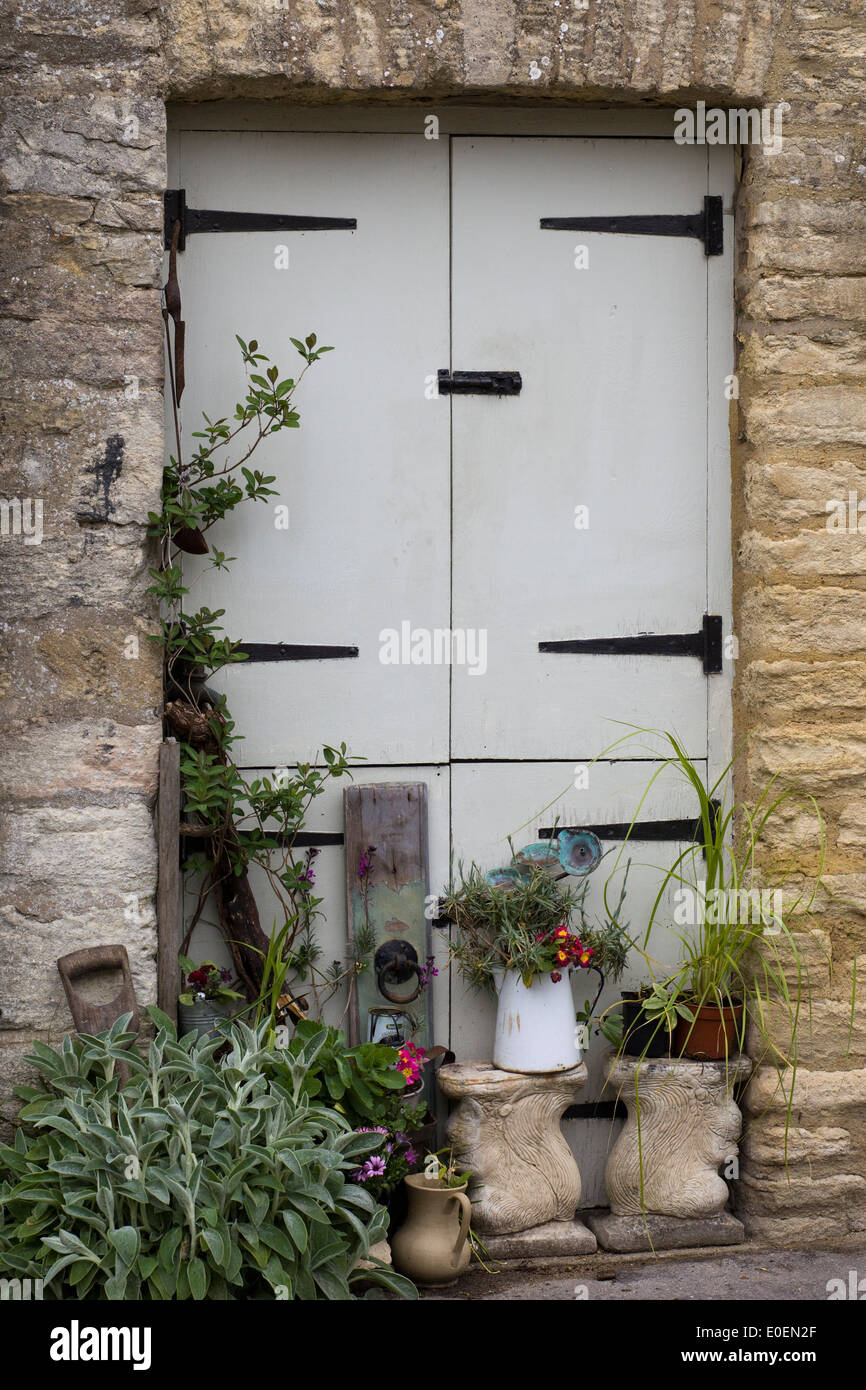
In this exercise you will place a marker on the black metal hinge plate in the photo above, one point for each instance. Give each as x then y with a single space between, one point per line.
212 220
706 645
707 226
682 830
293 651
491 383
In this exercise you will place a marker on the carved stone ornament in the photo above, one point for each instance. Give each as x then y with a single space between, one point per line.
505 1130
683 1125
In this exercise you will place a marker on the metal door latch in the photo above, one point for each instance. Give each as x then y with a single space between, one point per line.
491 383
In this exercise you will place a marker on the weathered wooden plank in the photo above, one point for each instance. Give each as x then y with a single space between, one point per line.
168 907
392 818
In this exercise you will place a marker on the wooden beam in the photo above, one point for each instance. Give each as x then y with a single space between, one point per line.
168 903
392 816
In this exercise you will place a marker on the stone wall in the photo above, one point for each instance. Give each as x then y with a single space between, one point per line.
82 158
82 164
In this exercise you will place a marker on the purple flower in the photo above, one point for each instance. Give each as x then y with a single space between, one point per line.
374 1167
411 1158
426 973
365 863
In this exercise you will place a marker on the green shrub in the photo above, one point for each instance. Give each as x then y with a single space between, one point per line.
362 1082
199 1178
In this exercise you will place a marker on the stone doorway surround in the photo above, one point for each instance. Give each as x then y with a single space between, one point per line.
83 150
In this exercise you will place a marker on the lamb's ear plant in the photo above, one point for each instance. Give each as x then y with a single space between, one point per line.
197 1179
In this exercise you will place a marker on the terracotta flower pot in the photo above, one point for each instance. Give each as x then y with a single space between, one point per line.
711 1036
432 1245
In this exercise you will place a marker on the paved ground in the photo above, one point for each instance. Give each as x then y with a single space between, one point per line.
739 1275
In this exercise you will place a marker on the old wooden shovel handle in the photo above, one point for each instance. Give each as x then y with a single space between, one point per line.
87 1016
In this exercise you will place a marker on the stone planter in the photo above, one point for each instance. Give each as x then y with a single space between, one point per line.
683 1125
505 1131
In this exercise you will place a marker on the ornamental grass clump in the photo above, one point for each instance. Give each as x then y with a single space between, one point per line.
199 1178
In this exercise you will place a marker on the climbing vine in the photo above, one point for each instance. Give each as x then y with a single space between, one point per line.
229 822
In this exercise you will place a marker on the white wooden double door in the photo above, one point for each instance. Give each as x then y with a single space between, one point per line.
591 504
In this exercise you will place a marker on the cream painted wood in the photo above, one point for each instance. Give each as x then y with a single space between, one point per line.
453 118
366 477
721 385
623 410
611 417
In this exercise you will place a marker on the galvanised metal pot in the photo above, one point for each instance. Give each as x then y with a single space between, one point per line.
202 1017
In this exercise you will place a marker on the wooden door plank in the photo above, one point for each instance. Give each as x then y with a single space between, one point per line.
168 905
391 817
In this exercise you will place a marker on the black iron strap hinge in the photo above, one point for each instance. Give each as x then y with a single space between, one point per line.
706 645
211 220
293 651
490 383
680 830
707 226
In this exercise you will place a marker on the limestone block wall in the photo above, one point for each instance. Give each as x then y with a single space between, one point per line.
82 163
82 168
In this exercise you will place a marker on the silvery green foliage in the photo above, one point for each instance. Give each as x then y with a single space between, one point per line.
200 1178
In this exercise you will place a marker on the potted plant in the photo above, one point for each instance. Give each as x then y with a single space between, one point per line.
737 941
432 1246
207 996
650 1017
513 936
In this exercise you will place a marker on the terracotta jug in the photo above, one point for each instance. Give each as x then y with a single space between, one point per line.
432 1245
